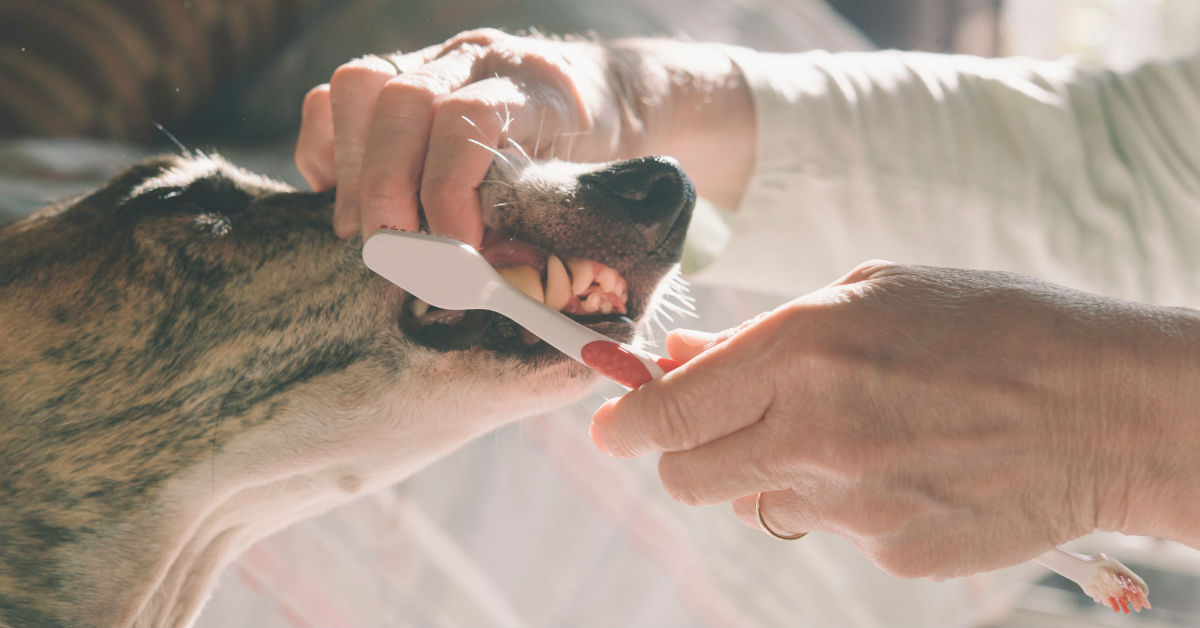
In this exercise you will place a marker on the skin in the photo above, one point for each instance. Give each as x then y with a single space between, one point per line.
395 141
946 421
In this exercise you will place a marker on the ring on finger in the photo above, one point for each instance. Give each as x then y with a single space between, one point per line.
387 58
766 528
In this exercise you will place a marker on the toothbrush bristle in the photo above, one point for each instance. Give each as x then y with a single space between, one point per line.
1131 595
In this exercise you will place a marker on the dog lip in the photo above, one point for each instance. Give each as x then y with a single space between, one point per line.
501 249
483 329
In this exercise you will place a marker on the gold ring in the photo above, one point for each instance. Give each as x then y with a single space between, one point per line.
763 522
387 58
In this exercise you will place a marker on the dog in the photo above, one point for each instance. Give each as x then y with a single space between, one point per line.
191 360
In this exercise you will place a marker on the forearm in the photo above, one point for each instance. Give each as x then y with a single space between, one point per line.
1156 428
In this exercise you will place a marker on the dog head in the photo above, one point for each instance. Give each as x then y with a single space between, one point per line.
192 339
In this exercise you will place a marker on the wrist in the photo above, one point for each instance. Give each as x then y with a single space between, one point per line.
689 101
1155 432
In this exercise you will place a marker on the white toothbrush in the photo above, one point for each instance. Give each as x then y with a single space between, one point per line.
454 276
1100 576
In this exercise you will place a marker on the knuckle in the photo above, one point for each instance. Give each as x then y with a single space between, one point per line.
872 269
672 427
356 71
478 37
304 159
317 97
419 88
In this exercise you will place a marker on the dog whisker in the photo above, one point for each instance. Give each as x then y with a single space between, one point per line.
521 150
493 151
499 182
475 126
537 144
174 140
682 311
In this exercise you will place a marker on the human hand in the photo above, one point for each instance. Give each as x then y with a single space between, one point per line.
945 421
398 134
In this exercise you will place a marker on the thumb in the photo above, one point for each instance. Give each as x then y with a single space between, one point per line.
685 344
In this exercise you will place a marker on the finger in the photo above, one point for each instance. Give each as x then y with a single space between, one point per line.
468 123
746 461
784 510
685 344
354 90
867 270
406 62
717 393
400 138
314 146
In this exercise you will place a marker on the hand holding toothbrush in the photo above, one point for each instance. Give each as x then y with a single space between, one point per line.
945 421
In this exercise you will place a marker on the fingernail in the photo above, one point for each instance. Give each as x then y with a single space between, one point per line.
693 338
601 415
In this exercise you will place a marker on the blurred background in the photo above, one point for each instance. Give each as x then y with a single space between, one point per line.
530 525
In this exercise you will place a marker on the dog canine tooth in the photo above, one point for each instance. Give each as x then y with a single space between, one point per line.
417 307
525 278
558 284
582 274
592 303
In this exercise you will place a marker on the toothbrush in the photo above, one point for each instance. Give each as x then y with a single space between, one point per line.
1100 576
421 264
454 276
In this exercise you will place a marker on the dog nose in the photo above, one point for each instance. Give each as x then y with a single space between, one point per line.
652 190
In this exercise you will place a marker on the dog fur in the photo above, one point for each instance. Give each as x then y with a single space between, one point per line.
192 361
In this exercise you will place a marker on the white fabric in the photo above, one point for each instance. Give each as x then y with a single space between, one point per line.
1087 179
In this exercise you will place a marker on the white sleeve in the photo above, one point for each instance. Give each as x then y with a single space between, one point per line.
1088 179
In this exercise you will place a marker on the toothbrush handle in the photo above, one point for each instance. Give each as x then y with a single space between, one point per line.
625 365
622 364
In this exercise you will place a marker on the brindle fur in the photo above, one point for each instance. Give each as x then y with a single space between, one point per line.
191 360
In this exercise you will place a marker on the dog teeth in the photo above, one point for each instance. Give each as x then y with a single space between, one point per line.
607 278
558 284
417 307
582 273
592 303
575 286
525 278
